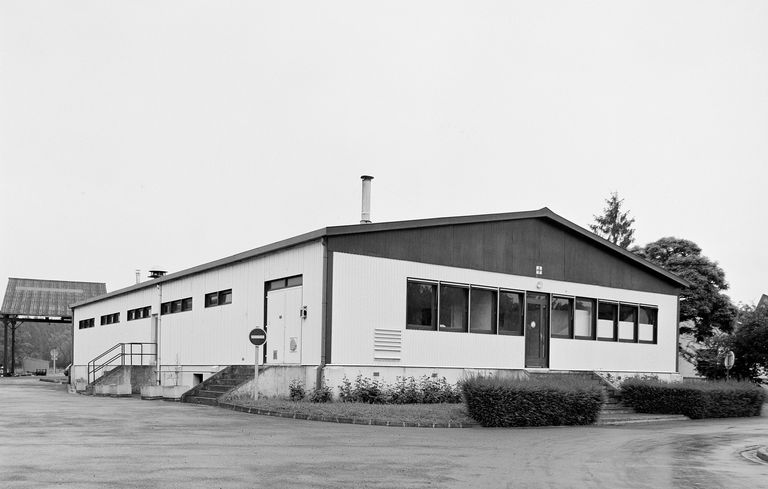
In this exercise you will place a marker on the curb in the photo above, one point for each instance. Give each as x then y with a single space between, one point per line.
762 454
335 419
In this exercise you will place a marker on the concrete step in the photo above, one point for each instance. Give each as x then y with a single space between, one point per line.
616 412
208 401
209 394
637 418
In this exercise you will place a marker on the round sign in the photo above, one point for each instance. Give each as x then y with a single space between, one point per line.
730 357
257 336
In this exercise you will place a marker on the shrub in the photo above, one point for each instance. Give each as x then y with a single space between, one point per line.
345 390
694 399
296 390
496 401
321 394
406 390
435 391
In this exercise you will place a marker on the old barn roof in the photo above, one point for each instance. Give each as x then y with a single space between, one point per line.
327 232
46 298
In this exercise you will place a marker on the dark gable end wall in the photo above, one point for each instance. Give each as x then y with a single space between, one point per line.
513 247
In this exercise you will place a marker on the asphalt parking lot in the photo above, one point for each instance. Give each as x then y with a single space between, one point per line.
49 438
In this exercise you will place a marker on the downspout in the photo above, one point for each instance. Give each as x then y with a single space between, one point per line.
324 308
677 335
157 332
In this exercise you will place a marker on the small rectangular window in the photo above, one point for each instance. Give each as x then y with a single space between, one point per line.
647 324
225 297
627 323
212 299
421 306
176 306
186 304
141 312
562 317
165 308
282 283
294 281
511 313
607 320
584 319
454 306
482 306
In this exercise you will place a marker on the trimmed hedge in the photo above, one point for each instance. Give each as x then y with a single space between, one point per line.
494 401
694 399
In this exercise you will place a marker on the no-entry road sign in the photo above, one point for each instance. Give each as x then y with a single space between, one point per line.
257 336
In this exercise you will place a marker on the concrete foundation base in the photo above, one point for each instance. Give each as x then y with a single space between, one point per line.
112 390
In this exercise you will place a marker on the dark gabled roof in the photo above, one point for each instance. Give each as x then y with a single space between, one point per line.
47 298
543 213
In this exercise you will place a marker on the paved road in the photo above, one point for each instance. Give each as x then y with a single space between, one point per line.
49 438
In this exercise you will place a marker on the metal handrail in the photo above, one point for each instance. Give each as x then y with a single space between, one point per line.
93 368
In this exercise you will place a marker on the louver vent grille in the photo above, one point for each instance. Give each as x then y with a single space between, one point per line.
387 344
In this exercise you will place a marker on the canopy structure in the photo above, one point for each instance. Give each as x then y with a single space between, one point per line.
42 301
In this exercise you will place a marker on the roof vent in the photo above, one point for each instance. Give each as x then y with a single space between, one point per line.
365 216
156 273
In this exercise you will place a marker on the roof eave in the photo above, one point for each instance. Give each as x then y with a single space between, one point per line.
222 262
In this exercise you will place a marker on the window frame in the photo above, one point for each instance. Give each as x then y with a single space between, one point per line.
593 326
495 320
571 326
215 299
435 305
112 318
634 325
454 285
522 294
176 306
655 340
138 313
283 283
615 321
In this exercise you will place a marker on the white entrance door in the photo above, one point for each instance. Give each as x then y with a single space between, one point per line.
284 325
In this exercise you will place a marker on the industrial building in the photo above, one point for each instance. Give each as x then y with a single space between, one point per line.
513 292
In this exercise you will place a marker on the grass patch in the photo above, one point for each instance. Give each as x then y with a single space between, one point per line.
394 413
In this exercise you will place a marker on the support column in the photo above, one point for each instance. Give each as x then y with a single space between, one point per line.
5 347
13 347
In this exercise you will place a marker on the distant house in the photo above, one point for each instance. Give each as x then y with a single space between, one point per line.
763 302
501 292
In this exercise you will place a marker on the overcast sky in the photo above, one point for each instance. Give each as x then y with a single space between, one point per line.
138 135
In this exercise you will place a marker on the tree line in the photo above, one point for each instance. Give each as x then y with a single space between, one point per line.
706 312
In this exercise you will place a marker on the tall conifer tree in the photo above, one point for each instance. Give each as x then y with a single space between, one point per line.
614 225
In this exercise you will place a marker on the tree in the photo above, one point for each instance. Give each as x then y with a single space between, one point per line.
704 303
749 343
614 225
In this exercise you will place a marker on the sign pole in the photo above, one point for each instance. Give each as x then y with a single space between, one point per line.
256 374
257 338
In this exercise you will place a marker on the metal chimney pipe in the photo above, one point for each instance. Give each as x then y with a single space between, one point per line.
365 216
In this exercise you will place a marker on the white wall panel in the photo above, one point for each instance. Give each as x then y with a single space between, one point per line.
370 293
214 336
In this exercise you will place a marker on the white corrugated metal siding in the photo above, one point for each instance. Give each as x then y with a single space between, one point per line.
369 296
